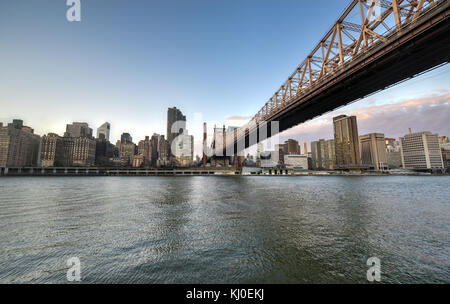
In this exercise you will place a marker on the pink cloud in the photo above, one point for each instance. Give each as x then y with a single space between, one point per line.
430 113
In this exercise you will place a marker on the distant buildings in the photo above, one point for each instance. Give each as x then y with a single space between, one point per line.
291 146
83 151
184 152
19 146
218 145
105 152
445 151
421 151
279 154
393 154
373 151
296 162
145 150
323 155
154 149
174 115
304 148
56 151
127 149
104 129
444 140
126 137
163 152
347 142
78 129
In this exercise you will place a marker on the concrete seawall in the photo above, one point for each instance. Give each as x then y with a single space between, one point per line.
92 171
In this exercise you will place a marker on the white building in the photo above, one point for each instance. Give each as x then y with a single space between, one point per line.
104 129
296 162
421 151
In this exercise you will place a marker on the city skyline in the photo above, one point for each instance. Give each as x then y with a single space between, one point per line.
68 87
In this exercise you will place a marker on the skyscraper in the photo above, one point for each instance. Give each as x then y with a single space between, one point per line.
346 141
291 146
126 137
323 154
174 115
184 149
163 152
304 148
105 130
155 148
145 149
78 129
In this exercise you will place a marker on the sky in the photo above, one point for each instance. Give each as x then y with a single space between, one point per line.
218 61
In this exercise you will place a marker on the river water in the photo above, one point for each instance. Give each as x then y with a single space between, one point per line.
225 229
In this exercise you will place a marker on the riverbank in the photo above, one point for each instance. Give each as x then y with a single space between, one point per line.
93 171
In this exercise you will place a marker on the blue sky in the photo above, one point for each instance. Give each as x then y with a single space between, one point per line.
126 62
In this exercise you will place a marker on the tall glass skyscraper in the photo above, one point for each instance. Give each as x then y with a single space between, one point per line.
105 130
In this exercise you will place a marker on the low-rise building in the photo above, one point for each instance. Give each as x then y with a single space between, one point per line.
296 162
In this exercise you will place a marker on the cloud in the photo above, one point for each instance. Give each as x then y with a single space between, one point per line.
238 118
429 113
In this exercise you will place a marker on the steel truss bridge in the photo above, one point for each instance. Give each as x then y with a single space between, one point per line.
374 44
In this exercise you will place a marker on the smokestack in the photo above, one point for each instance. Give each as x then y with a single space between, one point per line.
409 129
204 144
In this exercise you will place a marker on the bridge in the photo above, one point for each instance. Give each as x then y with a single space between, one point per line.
373 45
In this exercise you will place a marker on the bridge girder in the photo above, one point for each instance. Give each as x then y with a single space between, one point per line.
352 43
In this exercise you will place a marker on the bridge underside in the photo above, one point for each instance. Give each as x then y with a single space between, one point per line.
415 49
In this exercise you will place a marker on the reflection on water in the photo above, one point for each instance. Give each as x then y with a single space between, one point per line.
225 229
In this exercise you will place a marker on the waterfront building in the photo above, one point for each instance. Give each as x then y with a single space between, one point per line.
105 130
421 151
184 152
394 159
373 151
127 151
78 129
83 151
291 146
19 146
174 115
346 142
145 150
163 152
268 159
296 162
446 158
55 151
104 151
323 154
154 149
